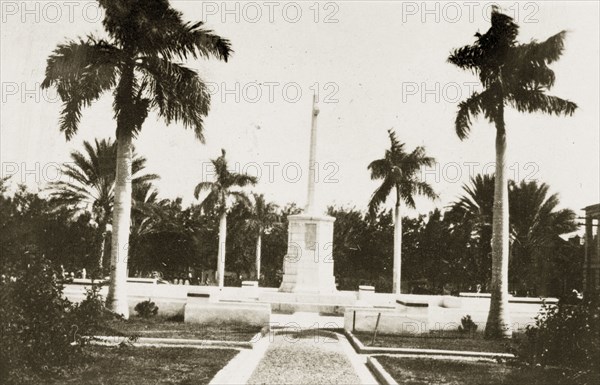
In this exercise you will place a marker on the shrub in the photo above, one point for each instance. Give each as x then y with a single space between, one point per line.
175 318
40 330
565 335
146 309
35 321
89 316
467 325
232 280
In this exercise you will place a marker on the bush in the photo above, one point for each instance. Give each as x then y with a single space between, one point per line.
35 321
146 309
91 314
232 280
467 325
40 330
565 335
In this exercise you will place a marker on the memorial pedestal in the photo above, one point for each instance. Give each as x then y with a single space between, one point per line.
308 265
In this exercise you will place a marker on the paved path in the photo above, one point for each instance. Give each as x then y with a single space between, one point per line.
309 357
299 350
240 368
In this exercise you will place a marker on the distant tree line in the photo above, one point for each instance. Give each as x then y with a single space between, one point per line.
443 252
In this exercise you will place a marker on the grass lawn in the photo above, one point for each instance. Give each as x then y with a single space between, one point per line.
424 371
162 328
446 341
141 366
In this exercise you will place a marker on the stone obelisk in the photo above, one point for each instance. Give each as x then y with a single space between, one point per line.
308 265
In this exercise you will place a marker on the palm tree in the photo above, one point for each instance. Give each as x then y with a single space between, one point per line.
472 214
146 208
219 198
263 216
91 181
140 63
535 225
399 170
517 75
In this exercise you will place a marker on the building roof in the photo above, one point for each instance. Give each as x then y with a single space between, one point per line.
593 210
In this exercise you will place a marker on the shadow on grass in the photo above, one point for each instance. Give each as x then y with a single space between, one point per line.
448 340
160 327
142 365
423 371
309 333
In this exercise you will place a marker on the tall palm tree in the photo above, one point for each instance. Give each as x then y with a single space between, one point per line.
219 198
263 216
399 170
139 62
90 183
517 75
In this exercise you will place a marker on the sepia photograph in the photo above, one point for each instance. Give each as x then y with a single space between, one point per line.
299 192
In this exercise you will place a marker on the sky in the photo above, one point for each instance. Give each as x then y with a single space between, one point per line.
375 65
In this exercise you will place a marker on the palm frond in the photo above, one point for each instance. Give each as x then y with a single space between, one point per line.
71 194
240 197
536 100
177 93
395 144
154 28
380 168
467 58
419 158
241 180
89 179
203 186
545 52
406 194
425 189
380 196
510 73
142 179
468 109
191 39
81 71
214 200
263 215
80 170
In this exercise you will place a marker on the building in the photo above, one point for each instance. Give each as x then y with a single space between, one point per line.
591 263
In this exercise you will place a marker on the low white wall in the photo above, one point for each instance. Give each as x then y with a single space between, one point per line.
522 311
422 313
170 299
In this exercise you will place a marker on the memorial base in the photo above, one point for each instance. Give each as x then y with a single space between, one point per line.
308 265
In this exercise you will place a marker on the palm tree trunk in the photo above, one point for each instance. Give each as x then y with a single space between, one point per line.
397 249
221 251
258 250
106 212
117 292
498 322
102 250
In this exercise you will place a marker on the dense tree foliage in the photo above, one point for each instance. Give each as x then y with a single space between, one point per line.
442 252
31 222
89 182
